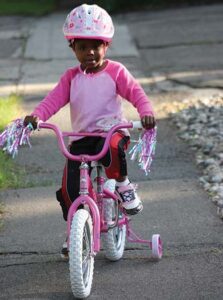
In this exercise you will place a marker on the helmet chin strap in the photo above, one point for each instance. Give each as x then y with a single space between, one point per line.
85 70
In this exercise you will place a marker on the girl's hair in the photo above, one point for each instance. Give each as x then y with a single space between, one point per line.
88 22
71 42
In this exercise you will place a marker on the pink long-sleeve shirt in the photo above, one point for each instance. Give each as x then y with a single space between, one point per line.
94 97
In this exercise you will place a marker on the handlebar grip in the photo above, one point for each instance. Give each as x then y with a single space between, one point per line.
38 124
136 125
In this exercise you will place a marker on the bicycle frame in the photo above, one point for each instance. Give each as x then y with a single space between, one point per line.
88 196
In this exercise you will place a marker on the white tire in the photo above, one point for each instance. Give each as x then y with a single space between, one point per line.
81 260
157 250
114 239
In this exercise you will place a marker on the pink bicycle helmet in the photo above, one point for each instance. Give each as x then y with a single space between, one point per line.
89 22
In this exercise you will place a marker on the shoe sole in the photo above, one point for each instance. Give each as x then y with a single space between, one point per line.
64 256
133 211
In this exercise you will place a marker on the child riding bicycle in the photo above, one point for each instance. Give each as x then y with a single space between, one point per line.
94 90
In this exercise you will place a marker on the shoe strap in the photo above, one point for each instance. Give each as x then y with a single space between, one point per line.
125 188
126 193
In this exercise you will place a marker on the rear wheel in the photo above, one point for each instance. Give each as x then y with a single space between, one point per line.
81 260
114 239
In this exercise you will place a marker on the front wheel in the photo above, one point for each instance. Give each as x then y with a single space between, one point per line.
81 260
114 239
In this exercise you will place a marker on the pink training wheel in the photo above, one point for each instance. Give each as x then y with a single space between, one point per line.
157 249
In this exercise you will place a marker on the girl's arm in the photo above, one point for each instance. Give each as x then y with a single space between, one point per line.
131 90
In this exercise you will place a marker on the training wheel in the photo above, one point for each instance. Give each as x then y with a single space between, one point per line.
157 249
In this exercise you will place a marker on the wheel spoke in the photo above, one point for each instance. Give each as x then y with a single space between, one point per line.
114 239
86 240
86 255
85 265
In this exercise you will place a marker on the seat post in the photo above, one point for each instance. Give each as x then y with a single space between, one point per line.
99 178
84 173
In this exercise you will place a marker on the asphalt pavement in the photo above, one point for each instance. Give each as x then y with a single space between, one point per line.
174 54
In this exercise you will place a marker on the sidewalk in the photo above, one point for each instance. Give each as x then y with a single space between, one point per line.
174 203
46 54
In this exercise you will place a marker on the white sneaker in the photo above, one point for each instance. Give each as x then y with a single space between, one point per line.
129 198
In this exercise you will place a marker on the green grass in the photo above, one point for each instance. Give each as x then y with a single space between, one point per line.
10 108
10 174
27 7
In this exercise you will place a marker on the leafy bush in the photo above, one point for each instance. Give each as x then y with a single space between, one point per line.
27 7
123 5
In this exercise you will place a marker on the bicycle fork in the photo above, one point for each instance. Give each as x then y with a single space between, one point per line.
85 199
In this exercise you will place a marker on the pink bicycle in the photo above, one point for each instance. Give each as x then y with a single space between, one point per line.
101 218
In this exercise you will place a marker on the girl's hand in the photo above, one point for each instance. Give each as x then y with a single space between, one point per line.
148 122
31 119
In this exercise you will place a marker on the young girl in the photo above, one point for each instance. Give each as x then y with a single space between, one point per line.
94 90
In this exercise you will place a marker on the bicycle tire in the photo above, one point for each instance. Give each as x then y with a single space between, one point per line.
81 260
114 239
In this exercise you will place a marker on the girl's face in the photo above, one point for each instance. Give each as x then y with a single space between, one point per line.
90 54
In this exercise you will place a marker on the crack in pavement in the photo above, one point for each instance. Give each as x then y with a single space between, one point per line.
194 86
185 44
142 247
26 253
169 252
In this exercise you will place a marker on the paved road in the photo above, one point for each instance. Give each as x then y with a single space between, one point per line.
174 54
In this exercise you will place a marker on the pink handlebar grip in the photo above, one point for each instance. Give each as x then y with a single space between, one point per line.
83 157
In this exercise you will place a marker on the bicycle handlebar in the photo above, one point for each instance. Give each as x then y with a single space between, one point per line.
85 157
